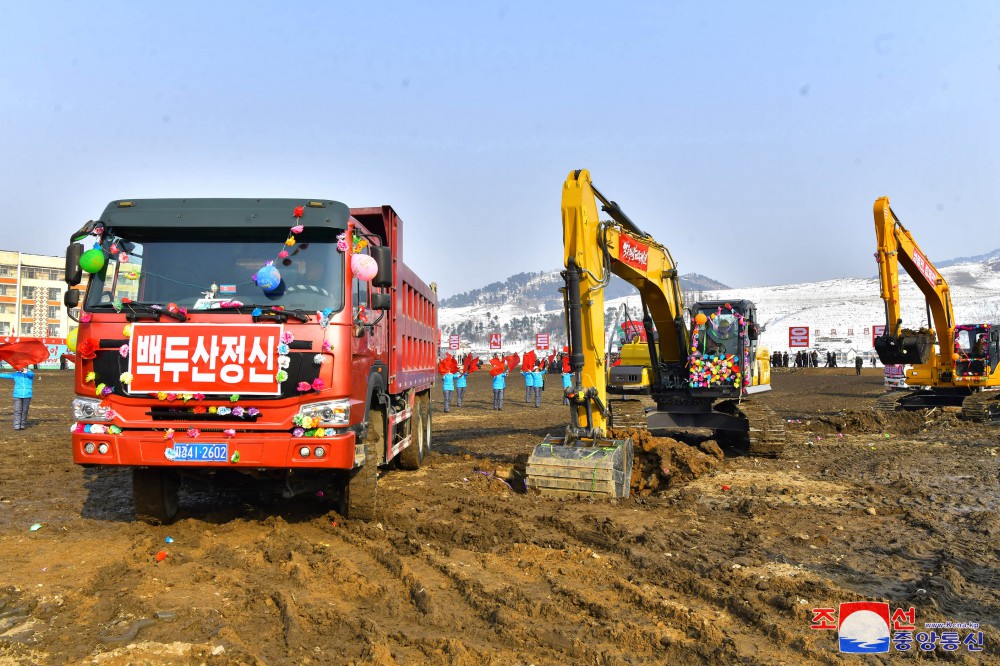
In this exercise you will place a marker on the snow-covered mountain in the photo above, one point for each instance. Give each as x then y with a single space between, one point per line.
840 313
526 304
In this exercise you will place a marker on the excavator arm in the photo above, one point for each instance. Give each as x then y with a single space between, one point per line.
896 248
593 251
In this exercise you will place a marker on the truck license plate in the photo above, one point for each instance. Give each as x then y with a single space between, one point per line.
206 452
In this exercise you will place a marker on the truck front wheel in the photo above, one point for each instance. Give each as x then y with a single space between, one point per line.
155 494
413 455
361 489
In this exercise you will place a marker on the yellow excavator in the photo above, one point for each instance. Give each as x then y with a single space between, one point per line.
702 361
950 364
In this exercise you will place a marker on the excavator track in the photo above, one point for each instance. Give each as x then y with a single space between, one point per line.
628 413
766 428
982 407
889 401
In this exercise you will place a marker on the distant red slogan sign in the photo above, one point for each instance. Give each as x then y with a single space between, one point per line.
798 336
634 253
204 358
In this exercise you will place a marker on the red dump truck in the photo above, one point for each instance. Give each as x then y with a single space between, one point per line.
249 344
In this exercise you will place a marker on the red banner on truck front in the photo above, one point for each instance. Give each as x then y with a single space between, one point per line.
205 358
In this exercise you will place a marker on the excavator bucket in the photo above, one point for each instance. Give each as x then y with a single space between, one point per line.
581 470
907 349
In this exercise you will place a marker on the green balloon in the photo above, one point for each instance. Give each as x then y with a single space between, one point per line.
92 260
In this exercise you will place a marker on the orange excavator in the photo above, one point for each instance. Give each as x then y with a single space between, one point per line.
950 364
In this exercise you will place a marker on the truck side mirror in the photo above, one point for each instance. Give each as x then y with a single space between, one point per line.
381 301
383 257
752 331
71 299
73 272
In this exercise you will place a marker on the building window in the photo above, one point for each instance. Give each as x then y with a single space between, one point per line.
55 293
5 289
27 291
74 314
27 310
25 328
4 328
53 331
53 312
6 271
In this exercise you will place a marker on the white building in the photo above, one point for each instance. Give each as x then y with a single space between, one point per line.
31 296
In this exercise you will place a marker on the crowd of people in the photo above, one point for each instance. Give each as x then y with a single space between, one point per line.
455 371
807 359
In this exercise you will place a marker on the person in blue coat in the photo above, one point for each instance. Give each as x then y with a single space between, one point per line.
567 381
529 385
499 384
539 378
448 386
22 395
460 383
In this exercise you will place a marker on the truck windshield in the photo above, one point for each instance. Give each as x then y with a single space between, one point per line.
203 269
720 335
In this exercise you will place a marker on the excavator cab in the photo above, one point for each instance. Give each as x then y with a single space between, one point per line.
976 348
722 353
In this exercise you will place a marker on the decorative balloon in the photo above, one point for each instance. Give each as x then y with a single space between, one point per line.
71 339
363 267
268 278
700 318
92 260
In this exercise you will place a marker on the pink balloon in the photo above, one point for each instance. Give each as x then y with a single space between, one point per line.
363 267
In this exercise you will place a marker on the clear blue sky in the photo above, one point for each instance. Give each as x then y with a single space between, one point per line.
751 138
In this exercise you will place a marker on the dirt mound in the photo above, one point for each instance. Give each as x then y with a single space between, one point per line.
663 462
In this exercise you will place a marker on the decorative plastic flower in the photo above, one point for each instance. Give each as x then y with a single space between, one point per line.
193 433
212 410
290 241
86 317
318 359
283 362
282 349
169 434
199 410
256 312
107 390
223 411
171 396
127 330
253 411
238 411
297 432
282 375
342 242
98 429
287 337
318 384
123 350
114 430
304 386
100 388
283 254
199 396
330 432
161 395
234 397
327 346
86 349
90 377
297 419
126 377
298 211
186 396
229 432
76 428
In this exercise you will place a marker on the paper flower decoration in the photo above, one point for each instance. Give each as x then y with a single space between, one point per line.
223 411
287 337
253 411
127 330
238 411
169 434
86 317
318 384
298 211
283 254
342 242
304 386
297 229
86 349
114 430
123 350
281 375
297 432
91 376
126 378
229 432
234 397
193 433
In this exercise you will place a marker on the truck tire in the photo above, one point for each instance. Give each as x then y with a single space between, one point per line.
155 494
413 455
361 489
427 425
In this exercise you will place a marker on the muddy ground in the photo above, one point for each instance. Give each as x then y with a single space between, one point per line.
722 562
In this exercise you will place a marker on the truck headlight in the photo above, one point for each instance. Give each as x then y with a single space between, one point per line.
88 409
330 412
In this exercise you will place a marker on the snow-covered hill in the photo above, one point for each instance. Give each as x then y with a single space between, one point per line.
840 313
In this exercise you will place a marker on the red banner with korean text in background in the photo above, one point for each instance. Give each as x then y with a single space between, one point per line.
798 336
205 358
495 340
877 332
